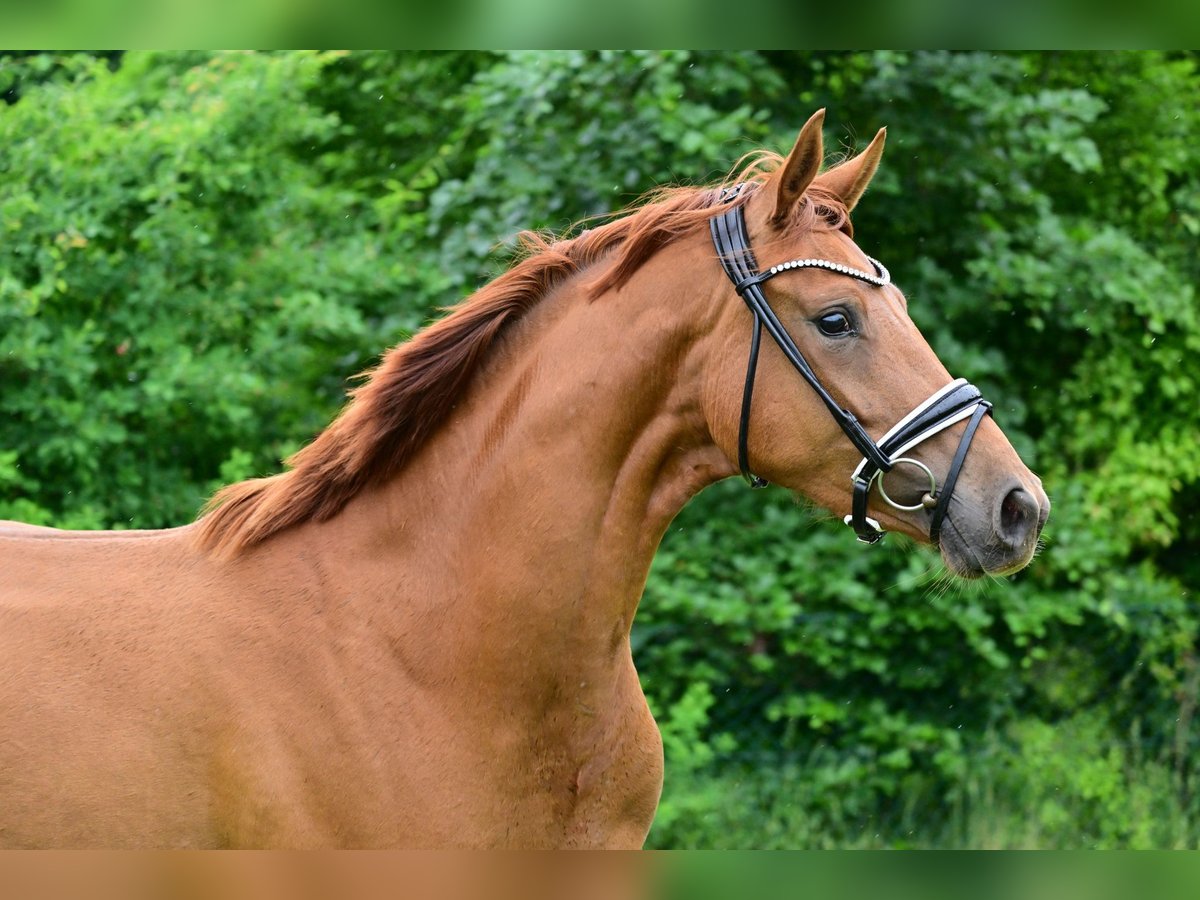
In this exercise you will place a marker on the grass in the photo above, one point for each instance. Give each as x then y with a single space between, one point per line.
1050 791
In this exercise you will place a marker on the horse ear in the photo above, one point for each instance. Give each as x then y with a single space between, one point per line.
850 179
800 168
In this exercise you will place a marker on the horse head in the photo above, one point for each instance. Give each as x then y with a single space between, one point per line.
880 429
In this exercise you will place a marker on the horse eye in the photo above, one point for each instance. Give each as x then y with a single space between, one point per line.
834 324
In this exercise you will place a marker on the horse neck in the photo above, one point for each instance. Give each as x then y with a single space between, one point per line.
546 493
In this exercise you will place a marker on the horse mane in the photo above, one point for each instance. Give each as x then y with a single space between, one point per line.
407 397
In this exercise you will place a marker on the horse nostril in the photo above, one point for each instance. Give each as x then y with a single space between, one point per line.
1010 512
1043 515
1018 515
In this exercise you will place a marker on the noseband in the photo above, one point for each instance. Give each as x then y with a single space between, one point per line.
953 403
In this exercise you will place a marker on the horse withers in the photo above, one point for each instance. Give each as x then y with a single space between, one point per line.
418 634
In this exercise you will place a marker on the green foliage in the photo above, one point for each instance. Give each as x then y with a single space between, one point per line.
1051 786
198 249
158 285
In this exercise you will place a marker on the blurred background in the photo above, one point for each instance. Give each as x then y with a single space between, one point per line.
199 249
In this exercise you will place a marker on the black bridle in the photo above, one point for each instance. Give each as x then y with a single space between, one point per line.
953 403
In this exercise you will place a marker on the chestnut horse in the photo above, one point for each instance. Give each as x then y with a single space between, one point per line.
418 635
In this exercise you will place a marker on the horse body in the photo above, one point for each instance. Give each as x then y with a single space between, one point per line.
445 663
424 641
93 634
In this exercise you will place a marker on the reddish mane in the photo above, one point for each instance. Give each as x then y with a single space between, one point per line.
408 396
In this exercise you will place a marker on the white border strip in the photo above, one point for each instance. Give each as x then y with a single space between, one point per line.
917 410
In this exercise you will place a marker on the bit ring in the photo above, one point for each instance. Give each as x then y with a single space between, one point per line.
919 504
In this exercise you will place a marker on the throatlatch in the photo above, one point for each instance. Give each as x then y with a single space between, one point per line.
953 403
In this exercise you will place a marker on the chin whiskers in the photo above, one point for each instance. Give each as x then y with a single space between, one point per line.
979 583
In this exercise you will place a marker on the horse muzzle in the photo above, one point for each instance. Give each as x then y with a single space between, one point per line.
998 538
